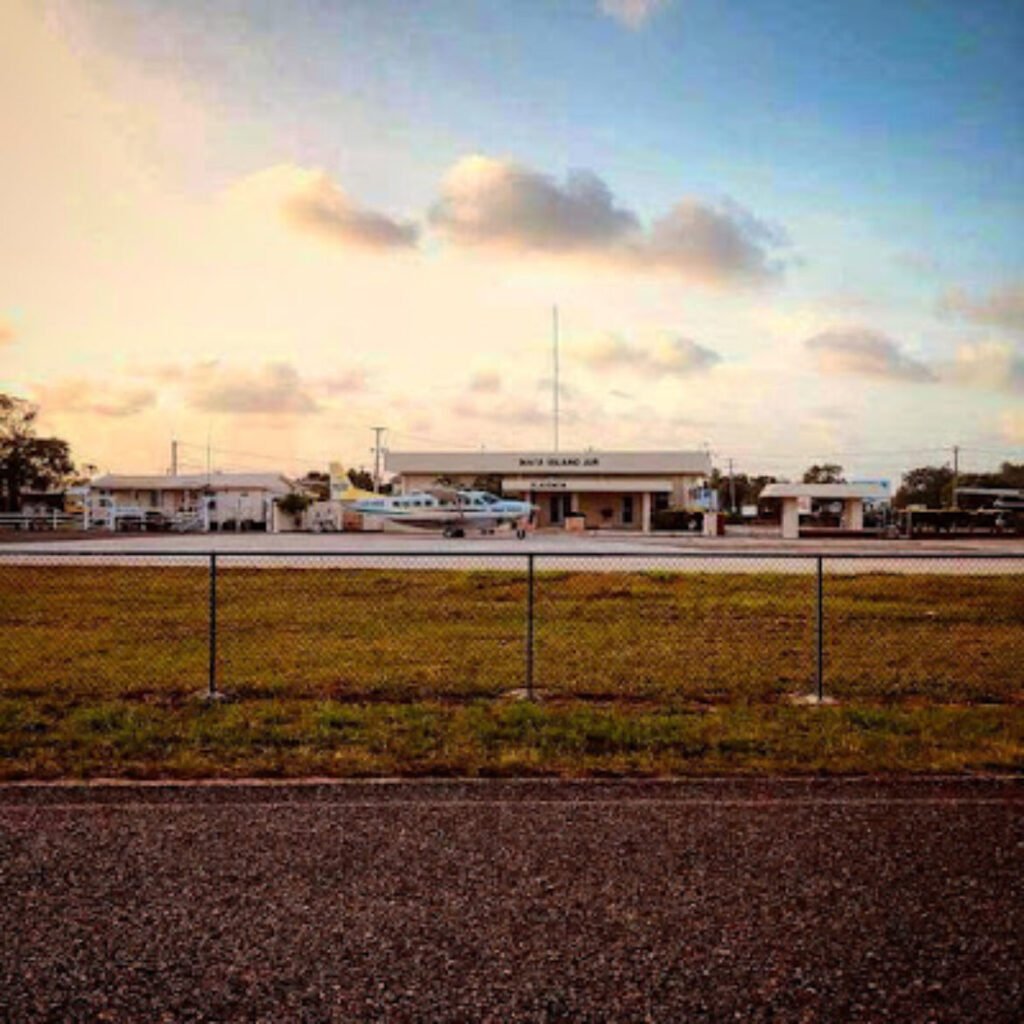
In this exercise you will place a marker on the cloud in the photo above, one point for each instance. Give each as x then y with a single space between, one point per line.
1011 424
344 383
1001 307
668 356
80 396
631 13
273 389
504 205
507 410
994 365
712 244
309 200
485 382
495 202
865 353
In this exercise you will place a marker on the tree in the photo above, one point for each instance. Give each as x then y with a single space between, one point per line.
1009 474
827 473
27 462
294 503
748 488
489 482
931 486
361 478
317 483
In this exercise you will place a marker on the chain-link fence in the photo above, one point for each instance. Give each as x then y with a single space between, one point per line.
701 628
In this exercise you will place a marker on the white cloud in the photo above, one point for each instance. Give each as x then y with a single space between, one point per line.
81 396
631 13
309 200
485 382
496 202
994 365
346 382
1001 307
504 205
1012 426
504 410
273 389
866 353
714 244
667 356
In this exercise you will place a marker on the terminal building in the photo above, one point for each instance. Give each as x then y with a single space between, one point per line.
607 490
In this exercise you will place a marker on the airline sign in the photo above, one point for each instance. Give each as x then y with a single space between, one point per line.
559 461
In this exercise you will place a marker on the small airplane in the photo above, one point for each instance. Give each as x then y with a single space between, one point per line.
452 511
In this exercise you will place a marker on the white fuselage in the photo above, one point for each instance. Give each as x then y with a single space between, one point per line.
462 509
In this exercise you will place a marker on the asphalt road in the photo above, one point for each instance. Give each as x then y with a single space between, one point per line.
543 542
753 901
555 550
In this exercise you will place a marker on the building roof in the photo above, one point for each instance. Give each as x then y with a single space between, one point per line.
277 482
827 492
535 463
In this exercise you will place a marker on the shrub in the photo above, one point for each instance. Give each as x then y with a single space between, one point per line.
675 519
294 503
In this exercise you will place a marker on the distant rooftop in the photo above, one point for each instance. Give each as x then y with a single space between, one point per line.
193 482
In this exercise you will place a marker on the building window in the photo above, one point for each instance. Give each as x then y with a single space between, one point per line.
661 502
627 509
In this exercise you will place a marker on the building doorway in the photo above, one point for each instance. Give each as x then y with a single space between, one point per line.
560 505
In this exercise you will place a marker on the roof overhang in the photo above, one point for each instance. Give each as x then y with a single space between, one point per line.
826 492
587 484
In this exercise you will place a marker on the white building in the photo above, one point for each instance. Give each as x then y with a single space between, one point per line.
618 490
197 500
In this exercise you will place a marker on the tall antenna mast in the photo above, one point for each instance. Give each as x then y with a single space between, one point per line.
554 324
377 452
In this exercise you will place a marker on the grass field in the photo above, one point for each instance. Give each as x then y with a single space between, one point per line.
370 671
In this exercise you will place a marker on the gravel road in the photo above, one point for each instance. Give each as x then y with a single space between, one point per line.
505 901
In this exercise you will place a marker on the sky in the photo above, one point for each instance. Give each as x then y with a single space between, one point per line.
789 232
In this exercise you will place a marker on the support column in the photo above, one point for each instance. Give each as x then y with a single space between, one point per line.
853 514
645 512
790 518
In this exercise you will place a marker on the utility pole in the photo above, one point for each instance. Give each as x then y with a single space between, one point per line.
732 490
377 452
956 474
174 458
554 324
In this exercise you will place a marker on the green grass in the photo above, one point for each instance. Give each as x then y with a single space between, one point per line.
294 737
377 635
371 671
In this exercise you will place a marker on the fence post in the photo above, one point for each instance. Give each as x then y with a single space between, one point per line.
212 680
529 627
819 672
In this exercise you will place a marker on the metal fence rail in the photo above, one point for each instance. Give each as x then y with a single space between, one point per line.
705 627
